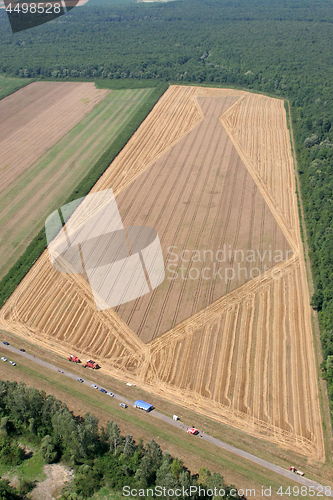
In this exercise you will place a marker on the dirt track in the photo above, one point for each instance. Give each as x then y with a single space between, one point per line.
246 357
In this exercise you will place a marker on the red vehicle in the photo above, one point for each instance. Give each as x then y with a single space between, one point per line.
91 364
73 358
193 430
293 469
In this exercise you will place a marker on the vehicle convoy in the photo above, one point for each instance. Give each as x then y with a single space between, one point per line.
80 380
73 358
103 390
142 405
91 364
293 469
94 386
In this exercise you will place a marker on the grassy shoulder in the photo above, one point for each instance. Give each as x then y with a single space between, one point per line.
123 83
191 450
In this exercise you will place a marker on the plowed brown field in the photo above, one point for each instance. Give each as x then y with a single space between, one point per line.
207 168
35 118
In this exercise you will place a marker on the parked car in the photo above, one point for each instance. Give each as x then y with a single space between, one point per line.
3 358
12 363
23 350
123 405
94 386
110 394
80 380
6 343
103 390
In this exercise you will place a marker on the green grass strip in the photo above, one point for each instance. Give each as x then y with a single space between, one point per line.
10 85
122 83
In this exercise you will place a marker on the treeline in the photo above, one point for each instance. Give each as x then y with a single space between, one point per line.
314 133
271 46
11 280
101 457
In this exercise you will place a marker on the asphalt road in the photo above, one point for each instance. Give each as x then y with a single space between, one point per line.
206 437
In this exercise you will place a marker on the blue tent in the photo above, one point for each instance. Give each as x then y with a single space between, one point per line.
143 405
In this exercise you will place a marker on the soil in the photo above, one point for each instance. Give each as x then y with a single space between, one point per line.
49 489
34 118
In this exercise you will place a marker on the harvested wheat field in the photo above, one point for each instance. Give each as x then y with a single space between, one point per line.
211 170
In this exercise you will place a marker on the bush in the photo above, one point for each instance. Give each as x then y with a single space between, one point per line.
47 450
10 453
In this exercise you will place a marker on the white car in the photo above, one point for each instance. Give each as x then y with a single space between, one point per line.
110 394
3 359
94 386
12 363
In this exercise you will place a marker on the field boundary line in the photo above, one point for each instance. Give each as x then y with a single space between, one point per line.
277 214
198 320
144 167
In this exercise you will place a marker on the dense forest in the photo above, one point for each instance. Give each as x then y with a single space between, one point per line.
100 457
282 48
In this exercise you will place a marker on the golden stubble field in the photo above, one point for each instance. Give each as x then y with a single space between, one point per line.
207 168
